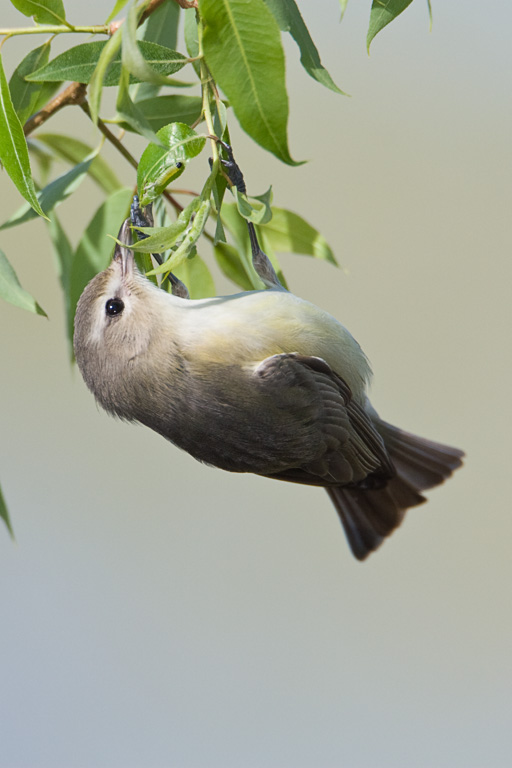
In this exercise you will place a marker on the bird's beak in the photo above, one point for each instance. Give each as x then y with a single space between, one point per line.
123 254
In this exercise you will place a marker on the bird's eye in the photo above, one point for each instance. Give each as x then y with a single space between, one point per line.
114 307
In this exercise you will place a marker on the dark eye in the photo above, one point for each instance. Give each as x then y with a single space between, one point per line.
114 307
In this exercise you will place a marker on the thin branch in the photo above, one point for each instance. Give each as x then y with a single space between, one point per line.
187 3
73 94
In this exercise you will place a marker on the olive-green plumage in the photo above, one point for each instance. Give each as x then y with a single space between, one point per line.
259 382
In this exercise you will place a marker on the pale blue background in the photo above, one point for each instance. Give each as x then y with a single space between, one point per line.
157 613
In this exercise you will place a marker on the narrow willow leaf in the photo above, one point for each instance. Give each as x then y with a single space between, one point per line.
43 11
288 232
237 226
191 40
382 13
74 151
162 110
258 214
242 47
228 259
81 62
162 25
107 55
44 161
219 189
63 252
4 514
11 290
120 4
221 184
28 98
159 165
109 52
220 118
54 193
94 250
290 20
197 277
343 7
187 247
63 258
13 147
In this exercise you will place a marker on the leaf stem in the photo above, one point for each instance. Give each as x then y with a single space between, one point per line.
55 29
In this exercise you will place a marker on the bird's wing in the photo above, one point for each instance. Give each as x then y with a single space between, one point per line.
348 449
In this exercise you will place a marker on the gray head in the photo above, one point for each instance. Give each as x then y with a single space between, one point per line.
116 318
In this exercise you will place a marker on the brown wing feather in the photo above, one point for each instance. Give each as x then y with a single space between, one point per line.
352 450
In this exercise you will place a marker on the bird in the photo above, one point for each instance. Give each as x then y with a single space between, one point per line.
260 381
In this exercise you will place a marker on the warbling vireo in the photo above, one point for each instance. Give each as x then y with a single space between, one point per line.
260 382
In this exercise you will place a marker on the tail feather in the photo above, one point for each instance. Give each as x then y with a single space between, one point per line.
367 515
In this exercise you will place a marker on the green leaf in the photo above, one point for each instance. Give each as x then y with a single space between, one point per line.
63 252
120 4
13 147
197 277
220 118
44 161
43 11
158 166
11 290
191 39
187 247
288 232
242 48
382 13
162 110
162 25
162 238
228 259
290 20
54 193
109 52
258 214
4 514
94 250
74 151
28 98
237 226
343 7
79 63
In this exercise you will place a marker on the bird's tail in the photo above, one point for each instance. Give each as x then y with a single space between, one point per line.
369 515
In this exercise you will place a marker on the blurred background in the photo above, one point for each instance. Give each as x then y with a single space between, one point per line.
156 612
